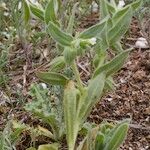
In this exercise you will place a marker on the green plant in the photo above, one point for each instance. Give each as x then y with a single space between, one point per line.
9 138
35 132
106 136
44 108
78 98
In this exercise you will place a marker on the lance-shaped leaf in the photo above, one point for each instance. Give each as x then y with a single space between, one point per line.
99 141
117 47
119 14
109 84
90 141
94 30
57 64
103 9
113 3
46 132
94 92
48 147
26 11
70 106
114 65
38 12
72 18
69 54
120 27
118 137
135 5
59 36
103 43
52 78
95 87
51 11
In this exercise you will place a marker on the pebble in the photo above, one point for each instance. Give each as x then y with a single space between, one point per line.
141 43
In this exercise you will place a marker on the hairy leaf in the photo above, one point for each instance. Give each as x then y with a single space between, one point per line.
59 36
50 11
121 26
52 78
136 4
70 115
57 64
71 20
114 65
103 9
118 137
26 11
94 30
38 12
69 54
94 92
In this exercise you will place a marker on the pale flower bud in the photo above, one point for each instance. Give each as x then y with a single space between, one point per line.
121 4
92 41
44 86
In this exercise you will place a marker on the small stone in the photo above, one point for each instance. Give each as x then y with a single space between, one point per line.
141 43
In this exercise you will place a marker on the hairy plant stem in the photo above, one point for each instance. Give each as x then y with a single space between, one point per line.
77 75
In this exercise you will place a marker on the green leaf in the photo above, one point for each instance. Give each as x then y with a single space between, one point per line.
99 58
99 141
94 92
72 18
103 9
117 47
26 11
38 12
51 11
94 30
109 84
136 4
121 26
117 137
95 87
103 40
52 78
59 36
48 147
70 114
57 64
119 14
114 65
113 3
69 55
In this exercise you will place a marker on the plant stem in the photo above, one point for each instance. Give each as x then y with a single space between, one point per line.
77 75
